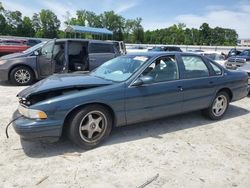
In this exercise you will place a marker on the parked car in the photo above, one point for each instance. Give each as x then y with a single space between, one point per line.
241 62
237 61
56 56
26 53
215 56
166 48
125 90
233 52
136 49
8 46
120 46
33 42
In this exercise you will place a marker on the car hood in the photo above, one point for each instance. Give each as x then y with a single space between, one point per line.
63 81
14 55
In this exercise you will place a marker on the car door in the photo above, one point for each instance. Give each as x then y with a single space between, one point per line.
158 99
44 60
100 53
198 83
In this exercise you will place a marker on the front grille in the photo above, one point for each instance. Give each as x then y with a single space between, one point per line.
236 60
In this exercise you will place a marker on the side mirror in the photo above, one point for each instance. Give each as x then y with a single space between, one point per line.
143 80
36 53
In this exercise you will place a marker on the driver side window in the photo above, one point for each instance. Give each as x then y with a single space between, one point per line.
47 50
163 69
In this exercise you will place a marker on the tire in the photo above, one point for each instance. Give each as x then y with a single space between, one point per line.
22 76
86 129
218 107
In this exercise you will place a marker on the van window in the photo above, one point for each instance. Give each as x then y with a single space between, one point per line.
101 48
48 49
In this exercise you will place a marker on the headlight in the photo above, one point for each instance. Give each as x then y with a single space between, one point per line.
32 113
2 62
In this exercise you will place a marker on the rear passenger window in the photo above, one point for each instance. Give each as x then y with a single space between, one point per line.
194 67
101 48
216 69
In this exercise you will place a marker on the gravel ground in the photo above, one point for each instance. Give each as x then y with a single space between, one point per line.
185 150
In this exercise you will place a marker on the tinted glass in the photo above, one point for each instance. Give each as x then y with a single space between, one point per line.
170 48
157 49
101 48
163 69
194 67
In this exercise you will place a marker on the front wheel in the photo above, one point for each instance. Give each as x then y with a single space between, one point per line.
218 107
90 126
22 76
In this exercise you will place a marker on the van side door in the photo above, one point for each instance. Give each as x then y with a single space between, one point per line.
100 53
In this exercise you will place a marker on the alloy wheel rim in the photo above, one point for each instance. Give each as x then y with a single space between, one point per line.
92 126
22 76
219 105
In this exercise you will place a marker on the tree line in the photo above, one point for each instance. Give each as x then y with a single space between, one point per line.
46 24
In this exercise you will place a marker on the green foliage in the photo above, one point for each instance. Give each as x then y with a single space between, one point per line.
2 20
179 34
46 24
129 30
27 27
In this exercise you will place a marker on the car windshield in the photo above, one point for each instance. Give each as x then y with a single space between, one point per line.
119 69
36 47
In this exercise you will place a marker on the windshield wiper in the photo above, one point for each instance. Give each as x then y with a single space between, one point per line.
103 78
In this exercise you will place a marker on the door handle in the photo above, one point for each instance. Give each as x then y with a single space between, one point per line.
211 82
180 88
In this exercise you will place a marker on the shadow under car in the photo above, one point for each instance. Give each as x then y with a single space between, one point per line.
131 132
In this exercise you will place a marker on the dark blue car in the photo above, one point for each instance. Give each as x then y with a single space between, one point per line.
239 60
126 90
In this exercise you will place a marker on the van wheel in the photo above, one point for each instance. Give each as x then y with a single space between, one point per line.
218 107
22 76
90 126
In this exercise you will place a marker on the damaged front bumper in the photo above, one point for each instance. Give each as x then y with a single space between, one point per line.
37 130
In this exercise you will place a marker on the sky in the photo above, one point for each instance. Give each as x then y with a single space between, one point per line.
156 14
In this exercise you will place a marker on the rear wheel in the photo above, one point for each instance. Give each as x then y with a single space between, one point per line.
218 107
22 76
90 126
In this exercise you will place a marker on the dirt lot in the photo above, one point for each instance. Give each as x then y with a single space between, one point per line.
185 150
